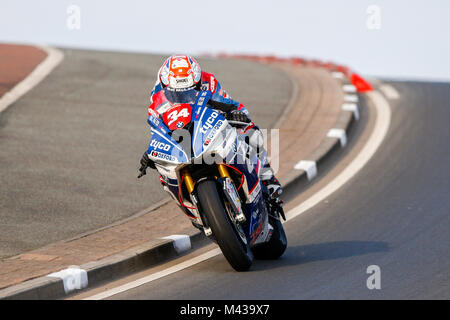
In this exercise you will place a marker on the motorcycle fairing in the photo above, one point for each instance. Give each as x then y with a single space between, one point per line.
255 208
162 146
207 124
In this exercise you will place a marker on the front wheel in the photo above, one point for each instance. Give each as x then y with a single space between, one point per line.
234 248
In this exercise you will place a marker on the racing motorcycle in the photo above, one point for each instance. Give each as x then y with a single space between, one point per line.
206 166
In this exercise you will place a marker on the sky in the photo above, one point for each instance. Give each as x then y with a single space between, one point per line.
391 39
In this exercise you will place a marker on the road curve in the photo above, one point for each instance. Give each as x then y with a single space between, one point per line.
395 214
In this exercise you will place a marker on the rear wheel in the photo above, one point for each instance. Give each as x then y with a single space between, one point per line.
275 247
235 249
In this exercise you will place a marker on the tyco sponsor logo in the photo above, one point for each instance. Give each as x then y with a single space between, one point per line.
208 123
160 145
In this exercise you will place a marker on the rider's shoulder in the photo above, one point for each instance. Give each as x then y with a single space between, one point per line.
208 77
209 82
157 87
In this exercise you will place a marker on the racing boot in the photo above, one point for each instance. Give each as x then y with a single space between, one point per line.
273 186
273 191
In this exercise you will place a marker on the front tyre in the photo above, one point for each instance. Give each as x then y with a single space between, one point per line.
235 250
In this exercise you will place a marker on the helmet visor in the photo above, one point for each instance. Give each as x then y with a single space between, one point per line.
181 96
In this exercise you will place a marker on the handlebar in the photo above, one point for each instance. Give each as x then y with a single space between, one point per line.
239 123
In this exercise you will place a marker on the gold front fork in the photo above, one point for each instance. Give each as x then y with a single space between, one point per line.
188 181
223 171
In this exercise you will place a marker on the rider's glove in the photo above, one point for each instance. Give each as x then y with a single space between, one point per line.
236 115
145 163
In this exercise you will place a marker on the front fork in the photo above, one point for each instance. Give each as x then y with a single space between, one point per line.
189 182
223 171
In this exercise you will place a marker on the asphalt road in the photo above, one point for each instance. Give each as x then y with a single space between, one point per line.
395 213
70 148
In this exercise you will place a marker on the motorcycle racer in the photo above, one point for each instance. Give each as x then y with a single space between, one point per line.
180 73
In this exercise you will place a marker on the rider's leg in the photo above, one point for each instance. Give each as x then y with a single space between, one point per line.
256 142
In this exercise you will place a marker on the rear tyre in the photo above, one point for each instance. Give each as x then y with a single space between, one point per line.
235 250
275 247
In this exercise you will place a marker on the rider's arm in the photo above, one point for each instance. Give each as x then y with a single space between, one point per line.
156 88
157 99
220 95
229 109
224 105
229 104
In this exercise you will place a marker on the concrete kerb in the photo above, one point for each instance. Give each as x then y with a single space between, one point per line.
161 250
127 262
